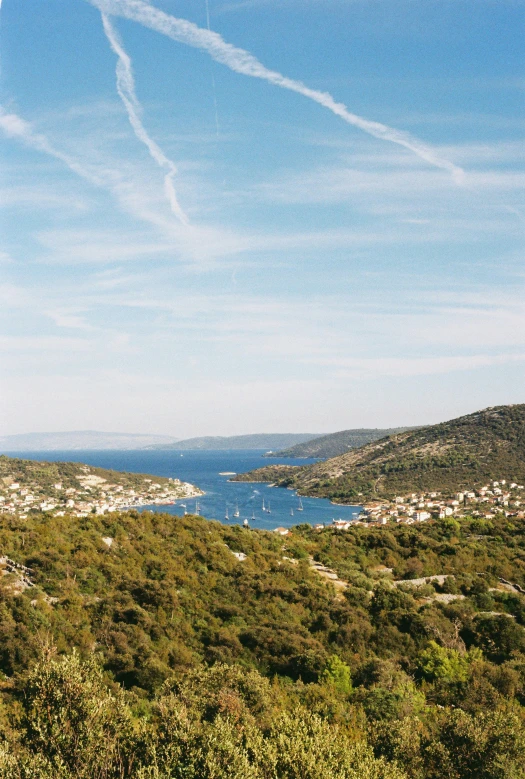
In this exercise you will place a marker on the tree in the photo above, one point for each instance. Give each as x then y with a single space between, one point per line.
338 674
73 722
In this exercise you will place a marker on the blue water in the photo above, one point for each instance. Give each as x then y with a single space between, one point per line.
203 468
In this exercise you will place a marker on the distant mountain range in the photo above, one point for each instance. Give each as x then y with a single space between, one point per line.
337 443
460 454
255 441
79 439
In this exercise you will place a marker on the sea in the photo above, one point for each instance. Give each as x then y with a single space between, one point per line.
211 470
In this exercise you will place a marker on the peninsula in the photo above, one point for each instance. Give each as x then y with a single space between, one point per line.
61 488
463 456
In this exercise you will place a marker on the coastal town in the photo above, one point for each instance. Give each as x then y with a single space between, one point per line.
494 498
88 493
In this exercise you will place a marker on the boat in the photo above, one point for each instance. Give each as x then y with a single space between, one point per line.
197 507
246 523
300 506
226 516
268 510
263 506
236 513
253 514
291 512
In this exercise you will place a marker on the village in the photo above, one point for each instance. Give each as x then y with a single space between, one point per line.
94 495
497 497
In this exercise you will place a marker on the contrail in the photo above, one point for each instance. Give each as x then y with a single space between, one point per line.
242 61
212 73
13 126
126 90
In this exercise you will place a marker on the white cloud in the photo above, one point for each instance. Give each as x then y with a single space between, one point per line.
359 368
71 319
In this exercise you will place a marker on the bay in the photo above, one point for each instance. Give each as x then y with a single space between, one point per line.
205 469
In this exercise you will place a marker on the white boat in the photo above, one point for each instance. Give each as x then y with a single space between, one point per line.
246 523
268 510
291 512
197 507
300 506
236 513
253 514
226 516
263 506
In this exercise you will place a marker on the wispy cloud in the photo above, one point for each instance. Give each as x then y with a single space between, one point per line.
70 318
241 61
39 344
126 90
13 126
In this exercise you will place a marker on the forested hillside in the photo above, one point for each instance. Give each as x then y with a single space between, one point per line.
208 651
337 443
457 455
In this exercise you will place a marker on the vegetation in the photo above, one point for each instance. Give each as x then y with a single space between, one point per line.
44 475
337 443
461 454
164 655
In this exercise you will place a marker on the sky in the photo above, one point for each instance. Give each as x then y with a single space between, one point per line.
234 216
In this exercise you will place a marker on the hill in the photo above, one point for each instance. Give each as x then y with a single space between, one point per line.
456 455
79 439
254 441
27 486
337 443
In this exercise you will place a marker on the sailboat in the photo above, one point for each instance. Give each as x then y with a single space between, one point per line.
263 506
236 512
253 514
197 507
300 506
226 516
268 510
291 512
246 523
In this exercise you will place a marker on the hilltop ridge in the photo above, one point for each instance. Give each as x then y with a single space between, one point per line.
338 443
74 440
453 455
250 441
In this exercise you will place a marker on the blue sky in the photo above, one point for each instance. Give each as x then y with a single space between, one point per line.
210 252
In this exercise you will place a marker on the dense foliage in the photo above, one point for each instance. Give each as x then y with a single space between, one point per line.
461 454
193 663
